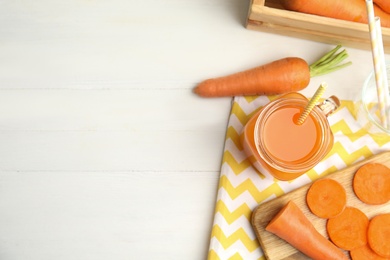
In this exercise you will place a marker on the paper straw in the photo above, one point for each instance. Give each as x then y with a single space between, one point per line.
376 47
313 101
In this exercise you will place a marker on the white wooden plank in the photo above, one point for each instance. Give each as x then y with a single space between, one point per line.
56 43
109 110
89 215
108 151
104 130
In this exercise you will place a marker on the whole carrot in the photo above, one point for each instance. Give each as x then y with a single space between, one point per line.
277 77
350 10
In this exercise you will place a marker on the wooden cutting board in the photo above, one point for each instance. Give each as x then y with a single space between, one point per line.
275 248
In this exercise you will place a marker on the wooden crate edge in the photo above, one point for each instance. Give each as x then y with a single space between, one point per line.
255 22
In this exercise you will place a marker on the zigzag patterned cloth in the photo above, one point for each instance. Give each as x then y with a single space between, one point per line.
241 188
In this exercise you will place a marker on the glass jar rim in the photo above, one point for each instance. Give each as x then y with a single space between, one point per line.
292 167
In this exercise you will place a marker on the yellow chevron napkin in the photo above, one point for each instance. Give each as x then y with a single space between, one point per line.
241 188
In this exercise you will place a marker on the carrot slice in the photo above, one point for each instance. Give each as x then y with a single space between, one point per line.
294 227
371 183
349 229
379 234
365 253
326 198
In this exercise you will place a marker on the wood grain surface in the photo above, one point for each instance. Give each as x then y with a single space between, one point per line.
277 249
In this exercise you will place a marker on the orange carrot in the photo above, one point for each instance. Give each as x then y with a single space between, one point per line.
277 77
350 10
365 253
371 183
349 229
326 198
284 75
383 4
294 227
379 234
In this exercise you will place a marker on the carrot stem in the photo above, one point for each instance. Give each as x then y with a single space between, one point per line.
329 62
327 55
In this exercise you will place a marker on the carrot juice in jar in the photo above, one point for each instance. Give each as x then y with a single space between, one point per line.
274 140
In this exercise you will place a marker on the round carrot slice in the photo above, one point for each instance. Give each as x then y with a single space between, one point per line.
326 198
349 229
365 253
379 234
371 183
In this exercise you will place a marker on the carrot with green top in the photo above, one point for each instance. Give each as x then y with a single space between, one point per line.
277 77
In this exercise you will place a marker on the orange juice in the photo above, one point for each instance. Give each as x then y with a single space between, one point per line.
287 140
273 140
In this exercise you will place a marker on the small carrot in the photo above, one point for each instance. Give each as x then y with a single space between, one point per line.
383 4
349 10
379 234
294 227
365 253
277 77
326 198
371 183
349 229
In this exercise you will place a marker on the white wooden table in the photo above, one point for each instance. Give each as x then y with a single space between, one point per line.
105 152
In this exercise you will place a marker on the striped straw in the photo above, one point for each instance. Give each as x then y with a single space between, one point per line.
312 102
378 60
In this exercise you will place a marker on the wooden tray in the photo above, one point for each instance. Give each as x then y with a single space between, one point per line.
275 248
269 16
